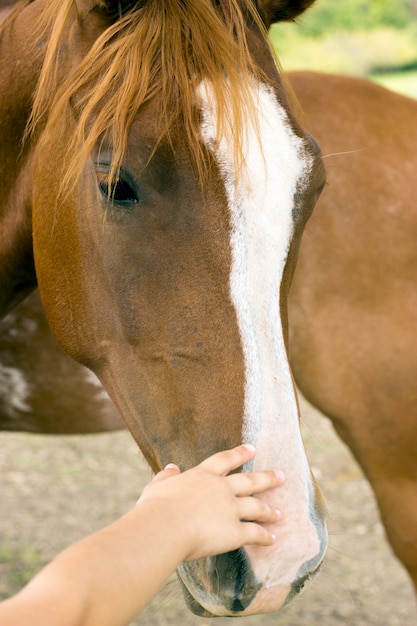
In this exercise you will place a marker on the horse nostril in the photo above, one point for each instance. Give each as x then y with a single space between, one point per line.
224 583
300 583
233 574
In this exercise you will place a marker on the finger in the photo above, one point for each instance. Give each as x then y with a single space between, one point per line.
255 510
169 470
246 484
224 462
254 534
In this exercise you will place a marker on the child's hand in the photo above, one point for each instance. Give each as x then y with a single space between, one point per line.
108 577
215 512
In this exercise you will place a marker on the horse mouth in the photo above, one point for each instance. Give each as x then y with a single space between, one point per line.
195 607
226 586
225 583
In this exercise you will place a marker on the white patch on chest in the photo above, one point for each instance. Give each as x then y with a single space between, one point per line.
14 389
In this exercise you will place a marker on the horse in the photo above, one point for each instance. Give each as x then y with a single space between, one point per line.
353 301
156 184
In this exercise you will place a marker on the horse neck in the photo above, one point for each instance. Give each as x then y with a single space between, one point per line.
19 71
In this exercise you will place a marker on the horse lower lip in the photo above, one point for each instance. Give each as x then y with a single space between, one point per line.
227 580
194 606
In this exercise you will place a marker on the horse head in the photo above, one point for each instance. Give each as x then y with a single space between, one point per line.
171 187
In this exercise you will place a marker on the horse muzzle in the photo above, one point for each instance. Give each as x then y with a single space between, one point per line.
226 586
222 585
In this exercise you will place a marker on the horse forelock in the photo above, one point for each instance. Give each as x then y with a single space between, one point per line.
163 49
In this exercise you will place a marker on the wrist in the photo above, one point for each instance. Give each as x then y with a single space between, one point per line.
167 527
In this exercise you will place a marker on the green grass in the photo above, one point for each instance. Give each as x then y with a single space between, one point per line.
18 565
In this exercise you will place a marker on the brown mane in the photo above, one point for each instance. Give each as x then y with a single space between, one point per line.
164 49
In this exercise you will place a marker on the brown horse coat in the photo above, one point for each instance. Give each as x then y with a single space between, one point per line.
161 193
352 308
353 303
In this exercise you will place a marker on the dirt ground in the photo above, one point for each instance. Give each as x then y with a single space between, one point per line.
54 490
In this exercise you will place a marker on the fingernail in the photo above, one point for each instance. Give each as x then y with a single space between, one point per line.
170 466
249 447
280 475
273 537
278 513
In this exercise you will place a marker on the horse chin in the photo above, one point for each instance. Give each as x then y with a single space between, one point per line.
266 601
219 586
226 586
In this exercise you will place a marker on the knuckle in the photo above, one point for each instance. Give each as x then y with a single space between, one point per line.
262 480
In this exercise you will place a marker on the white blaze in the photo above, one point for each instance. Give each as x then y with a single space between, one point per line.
261 207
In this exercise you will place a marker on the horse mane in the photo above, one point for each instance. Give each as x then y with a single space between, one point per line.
165 48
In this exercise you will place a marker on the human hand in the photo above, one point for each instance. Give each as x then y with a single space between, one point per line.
212 512
179 517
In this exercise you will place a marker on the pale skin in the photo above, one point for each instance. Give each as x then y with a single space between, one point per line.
107 578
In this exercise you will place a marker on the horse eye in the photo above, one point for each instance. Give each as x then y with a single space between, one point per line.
118 191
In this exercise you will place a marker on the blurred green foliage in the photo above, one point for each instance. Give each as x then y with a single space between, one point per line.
353 15
351 37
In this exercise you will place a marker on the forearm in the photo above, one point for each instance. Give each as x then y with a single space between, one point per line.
105 579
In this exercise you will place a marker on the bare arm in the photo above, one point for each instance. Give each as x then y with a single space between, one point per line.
109 577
